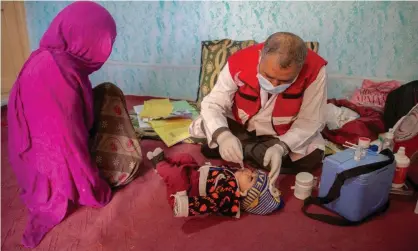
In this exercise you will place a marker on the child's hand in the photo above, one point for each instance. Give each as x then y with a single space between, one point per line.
156 152
156 156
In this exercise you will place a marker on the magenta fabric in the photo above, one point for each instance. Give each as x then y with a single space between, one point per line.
49 116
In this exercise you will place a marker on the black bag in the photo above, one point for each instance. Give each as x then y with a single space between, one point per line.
399 102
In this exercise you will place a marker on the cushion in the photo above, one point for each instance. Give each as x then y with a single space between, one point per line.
314 46
215 54
214 57
374 94
114 145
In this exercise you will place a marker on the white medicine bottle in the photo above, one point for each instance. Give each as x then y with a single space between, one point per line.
388 141
402 164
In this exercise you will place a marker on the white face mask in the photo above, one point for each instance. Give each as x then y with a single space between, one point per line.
268 87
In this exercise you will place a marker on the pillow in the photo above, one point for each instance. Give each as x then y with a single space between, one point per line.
373 94
314 46
215 54
114 144
214 57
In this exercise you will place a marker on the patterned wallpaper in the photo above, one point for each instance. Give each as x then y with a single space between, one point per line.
157 51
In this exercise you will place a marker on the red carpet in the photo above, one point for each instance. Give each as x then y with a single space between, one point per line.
139 218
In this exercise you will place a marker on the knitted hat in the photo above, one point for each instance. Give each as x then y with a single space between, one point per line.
259 200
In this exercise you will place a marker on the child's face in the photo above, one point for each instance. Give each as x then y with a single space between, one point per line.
245 178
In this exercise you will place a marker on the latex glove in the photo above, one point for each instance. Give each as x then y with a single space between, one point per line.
230 148
273 156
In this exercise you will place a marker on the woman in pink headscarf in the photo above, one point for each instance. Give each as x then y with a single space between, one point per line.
50 113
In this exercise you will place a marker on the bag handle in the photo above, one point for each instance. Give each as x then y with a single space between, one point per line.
334 193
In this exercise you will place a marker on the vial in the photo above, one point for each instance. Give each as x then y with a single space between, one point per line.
388 141
362 147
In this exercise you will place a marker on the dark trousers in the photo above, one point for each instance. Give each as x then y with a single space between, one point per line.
254 152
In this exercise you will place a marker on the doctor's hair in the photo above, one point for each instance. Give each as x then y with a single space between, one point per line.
288 47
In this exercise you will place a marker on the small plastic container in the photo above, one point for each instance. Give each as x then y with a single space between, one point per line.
303 185
362 147
378 142
388 141
402 164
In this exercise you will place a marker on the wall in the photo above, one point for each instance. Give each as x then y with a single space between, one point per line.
157 51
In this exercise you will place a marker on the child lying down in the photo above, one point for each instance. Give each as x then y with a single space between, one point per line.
198 190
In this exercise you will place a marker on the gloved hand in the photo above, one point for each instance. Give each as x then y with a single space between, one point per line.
230 148
273 156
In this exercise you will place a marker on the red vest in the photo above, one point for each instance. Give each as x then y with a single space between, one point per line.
243 68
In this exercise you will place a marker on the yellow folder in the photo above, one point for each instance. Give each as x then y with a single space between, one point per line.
156 108
172 131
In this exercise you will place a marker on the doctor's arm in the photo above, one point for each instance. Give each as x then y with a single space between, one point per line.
311 117
217 104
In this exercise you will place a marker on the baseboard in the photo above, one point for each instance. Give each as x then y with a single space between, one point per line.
4 100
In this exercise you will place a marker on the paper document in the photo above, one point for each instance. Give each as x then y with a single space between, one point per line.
156 108
141 123
183 107
172 131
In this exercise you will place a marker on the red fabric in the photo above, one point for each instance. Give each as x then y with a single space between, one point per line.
369 125
179 174
138 218
243 67
406 135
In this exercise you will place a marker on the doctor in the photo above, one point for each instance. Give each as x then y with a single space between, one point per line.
276 89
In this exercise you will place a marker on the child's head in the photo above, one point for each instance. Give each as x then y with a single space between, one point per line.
257 198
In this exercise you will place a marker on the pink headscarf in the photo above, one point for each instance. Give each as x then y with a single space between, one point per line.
50 111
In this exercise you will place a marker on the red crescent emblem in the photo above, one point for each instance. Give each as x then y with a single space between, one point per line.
237 80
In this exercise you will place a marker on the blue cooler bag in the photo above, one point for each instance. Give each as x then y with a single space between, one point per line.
355 190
